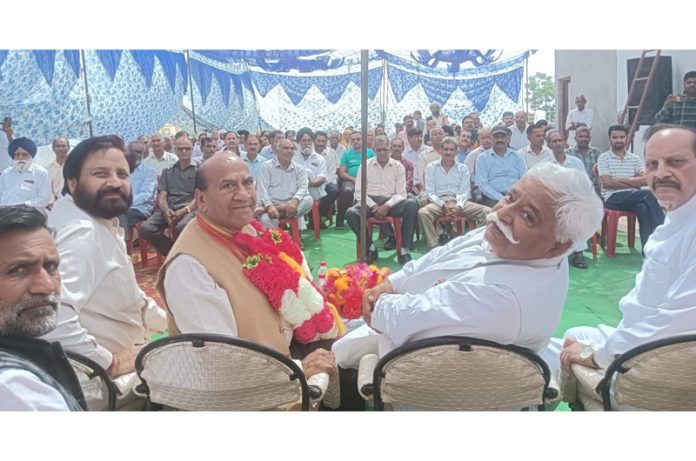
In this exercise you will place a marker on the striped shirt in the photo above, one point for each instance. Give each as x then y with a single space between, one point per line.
611 164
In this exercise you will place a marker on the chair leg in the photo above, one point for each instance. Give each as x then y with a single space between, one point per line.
612 228
594 246
144 248
316 219
295 231
631 231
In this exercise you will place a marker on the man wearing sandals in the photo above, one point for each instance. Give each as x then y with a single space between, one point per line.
663 302
556 143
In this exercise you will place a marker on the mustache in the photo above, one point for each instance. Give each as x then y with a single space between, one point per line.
659 183
38 301
492 217
111 190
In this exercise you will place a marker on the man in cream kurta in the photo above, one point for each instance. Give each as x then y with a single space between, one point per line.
104 315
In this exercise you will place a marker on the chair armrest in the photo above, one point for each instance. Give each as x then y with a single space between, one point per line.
366 371
587 378
325 388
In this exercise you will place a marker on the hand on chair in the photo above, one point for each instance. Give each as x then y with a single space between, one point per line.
370 298
319 361
123 362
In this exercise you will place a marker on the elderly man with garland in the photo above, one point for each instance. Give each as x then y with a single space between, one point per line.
214 281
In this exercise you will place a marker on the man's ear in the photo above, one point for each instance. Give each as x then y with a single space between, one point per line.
200 201
72 184
558 249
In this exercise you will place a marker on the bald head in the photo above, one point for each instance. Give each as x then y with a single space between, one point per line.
225 193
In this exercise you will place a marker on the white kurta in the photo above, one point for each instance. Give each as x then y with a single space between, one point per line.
102 310
463 289
663 302
21 390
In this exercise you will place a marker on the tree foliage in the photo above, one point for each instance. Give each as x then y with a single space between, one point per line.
541 94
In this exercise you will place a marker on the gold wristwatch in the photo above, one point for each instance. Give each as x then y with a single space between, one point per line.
587 356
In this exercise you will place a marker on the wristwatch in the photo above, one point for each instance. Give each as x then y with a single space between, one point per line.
587 356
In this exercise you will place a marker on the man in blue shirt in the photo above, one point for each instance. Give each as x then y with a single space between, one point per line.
143 181
499 168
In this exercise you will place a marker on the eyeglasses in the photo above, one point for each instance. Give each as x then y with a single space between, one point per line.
184 149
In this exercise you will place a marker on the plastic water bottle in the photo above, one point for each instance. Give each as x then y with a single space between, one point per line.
321 274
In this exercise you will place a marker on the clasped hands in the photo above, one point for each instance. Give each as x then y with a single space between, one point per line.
370 298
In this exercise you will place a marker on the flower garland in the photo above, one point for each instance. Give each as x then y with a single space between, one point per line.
345 287
273 263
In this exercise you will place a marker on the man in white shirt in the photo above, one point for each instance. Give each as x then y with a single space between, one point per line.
447 187
430 154
282 187
331 184
160 158
104 315
582 116
24 182
486 284
335 143
34 374
439 118
535 151
386 196
663 302
413 148
60 147
519 131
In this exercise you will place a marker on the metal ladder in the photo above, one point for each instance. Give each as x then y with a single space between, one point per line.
634 88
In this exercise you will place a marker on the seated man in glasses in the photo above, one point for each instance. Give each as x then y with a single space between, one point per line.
175 199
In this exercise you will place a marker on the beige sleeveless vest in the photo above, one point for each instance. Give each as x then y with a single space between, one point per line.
256 319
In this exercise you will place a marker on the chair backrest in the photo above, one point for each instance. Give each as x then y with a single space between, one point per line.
454 373
100 392
208 372
659 375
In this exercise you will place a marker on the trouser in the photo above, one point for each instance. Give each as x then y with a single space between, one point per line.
328 200
644 204
487 201
153 228
345 200
348 377
304 207
131 217
407 210
431 212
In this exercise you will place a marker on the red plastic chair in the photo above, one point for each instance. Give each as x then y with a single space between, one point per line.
395 222
458 221
610 225
294 228
316 219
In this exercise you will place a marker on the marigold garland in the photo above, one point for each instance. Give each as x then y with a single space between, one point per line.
273 263
345 287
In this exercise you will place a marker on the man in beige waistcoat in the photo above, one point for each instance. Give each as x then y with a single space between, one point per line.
202 283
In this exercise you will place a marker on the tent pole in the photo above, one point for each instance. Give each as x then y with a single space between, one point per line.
87 96
363 169
190 78
526 84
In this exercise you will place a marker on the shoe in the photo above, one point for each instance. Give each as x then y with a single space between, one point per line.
443 239
403 259
322 225
579 260
339 225
372 256
390 244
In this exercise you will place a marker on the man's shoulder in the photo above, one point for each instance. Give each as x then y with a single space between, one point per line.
70 221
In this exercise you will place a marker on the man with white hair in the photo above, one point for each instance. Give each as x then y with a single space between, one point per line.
486 284
663 302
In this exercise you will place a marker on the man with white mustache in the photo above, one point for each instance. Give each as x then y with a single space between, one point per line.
486 284
663 302
34 375
24 182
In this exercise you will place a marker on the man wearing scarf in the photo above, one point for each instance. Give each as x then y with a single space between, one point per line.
24 182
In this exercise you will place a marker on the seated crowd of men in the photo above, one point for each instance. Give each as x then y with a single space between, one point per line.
77 287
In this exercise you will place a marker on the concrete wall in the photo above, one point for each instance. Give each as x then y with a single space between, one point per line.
594 74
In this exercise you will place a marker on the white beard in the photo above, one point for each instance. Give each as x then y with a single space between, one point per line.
22 165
